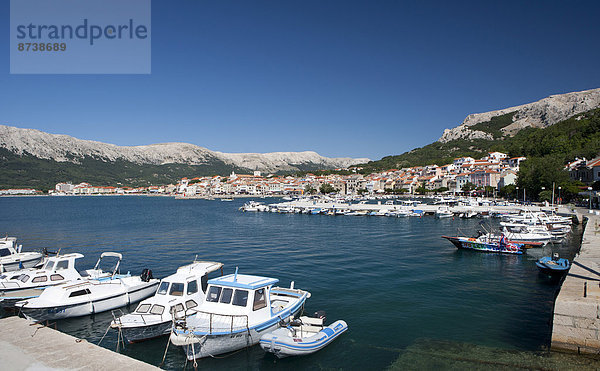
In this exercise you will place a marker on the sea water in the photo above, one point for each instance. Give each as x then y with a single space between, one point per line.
410 298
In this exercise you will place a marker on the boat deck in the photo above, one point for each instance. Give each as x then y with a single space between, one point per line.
26 346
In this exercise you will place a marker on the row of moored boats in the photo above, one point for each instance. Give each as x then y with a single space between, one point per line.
206 317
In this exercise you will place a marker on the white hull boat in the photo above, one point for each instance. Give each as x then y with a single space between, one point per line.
80 298
12 259
238 310
176 294
29 283
302 337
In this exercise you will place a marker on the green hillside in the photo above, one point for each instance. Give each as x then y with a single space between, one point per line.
575 137
29 171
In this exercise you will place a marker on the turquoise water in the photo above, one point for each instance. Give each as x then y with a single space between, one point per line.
393 280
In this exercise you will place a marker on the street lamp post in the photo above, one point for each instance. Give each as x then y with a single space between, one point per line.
559 200
590 197
517 194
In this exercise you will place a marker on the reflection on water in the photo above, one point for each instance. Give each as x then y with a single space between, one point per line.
393 280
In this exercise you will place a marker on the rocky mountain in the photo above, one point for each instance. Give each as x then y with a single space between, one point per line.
64 148
540 114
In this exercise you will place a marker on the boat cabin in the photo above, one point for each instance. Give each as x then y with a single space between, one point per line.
180 291
56 268
239 294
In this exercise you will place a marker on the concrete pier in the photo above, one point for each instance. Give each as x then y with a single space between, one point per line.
576 322
24 346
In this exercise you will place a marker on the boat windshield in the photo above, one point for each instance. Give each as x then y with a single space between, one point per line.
4 252
176 289
49 265
162 289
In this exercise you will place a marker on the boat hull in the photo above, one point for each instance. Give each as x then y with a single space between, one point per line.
141 333
473 244
280 343
22 264
556 268
199 345
84 308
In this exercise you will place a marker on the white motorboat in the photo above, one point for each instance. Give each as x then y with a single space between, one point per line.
443 212
29 283
301 337
80 298
12 259
238 310
524 232
176 293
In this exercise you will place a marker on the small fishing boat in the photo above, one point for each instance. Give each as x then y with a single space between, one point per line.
238 310
80 298
443 212
502 245
12 259
176 294
303 336
553 265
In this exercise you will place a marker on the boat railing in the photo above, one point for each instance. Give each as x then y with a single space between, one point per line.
216 323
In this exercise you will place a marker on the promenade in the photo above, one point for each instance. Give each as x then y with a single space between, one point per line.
25 346
576 322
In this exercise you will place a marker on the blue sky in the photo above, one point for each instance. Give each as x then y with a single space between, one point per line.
343 78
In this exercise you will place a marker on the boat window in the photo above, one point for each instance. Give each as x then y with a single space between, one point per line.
260 300
162 289
176 308
192 287
176 289
15 277
56 277
190 304
240 298
23 278
63 264
157 309
4 252
79 293
213 294
3 276
49 265
204 283
143 308
40 279
226 297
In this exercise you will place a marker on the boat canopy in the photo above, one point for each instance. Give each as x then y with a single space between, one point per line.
243 281
112 254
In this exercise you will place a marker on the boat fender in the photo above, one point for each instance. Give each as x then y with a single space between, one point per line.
146 275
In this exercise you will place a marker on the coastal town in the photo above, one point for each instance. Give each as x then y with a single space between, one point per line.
490 173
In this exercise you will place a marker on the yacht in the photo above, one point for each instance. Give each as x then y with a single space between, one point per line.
176 294
237 311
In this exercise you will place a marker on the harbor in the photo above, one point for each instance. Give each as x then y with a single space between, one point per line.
427 279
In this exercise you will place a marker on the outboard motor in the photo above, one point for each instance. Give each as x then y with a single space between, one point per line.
320 314
146 275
